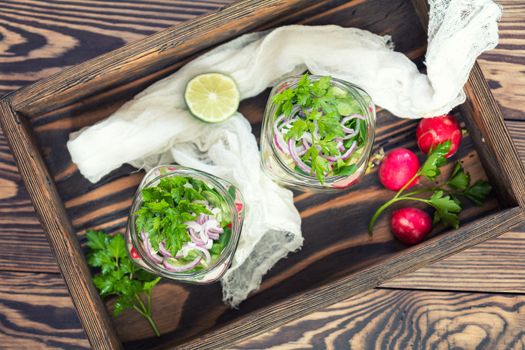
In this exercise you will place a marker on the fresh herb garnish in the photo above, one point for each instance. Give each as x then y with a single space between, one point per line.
314 109
119 276
169 205
444 198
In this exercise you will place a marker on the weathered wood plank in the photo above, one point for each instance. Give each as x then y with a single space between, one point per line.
398 319
60 234
162 49
18 17
37 313
495 265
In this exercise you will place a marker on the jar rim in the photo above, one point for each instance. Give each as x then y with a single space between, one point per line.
237 219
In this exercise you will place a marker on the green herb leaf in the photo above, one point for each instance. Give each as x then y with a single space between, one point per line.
96 239
118 275
478 192
447 208
149 285
168 206
459 179
346 170
436 158
297 130
117 247
123 303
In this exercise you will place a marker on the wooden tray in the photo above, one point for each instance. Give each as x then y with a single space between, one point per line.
338 259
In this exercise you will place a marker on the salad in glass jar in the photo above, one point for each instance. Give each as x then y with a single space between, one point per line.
318 133
185 224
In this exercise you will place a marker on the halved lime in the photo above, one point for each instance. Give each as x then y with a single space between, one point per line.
212 97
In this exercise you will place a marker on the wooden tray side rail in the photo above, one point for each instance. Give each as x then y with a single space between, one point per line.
506 171
143 57
60 234
167 49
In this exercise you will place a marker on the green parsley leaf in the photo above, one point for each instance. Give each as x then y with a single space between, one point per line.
169 205
447 209
445 202
117 274
459 179
320 166
297 130
149 285
330 126
123 303
96 239
117 247
346 170
436 158
478 192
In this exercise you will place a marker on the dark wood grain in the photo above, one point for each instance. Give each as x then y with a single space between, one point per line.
492 266
398 319
74 204
504 64
37 313
493 141
162 49
60 234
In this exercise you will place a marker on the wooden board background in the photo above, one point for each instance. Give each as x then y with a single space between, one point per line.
16 205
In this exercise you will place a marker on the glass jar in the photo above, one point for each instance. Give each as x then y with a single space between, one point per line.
279 165
234 207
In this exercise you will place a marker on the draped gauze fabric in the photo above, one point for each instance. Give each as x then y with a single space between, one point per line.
156 127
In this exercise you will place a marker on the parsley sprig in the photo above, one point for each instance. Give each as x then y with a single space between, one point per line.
321 107
169 205
119 276
444 198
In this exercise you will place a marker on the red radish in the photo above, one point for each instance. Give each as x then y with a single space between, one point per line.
397 168
410 225
431 132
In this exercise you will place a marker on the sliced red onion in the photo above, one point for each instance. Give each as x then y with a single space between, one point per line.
183 252
212 228
296 159
217 230
349 130
213 236
343 156
181 268
278 137
279 142
163 250
349 152
149 249
352 117
305 144
341 146
195 236
208 244
202 218
193 225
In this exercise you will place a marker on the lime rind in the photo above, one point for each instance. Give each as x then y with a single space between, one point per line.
212 97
